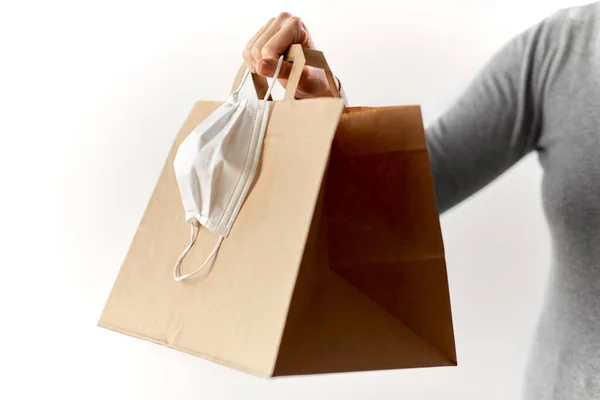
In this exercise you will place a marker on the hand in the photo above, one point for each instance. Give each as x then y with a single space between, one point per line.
271 41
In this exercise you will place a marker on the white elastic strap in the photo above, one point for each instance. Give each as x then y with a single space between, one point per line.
244 78
193 235
275 75
271 85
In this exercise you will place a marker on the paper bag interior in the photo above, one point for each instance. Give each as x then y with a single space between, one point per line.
372 291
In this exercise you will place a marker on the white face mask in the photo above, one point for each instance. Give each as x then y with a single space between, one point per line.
216 164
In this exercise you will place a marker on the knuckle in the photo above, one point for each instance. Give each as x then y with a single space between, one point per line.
268 52
295 21
256 52
295 24
284 15
246 53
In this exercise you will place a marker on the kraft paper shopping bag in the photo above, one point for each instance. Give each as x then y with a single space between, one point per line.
334 264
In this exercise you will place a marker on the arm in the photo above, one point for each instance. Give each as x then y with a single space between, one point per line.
494 124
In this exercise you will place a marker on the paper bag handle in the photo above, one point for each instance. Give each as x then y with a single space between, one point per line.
261 85
299 57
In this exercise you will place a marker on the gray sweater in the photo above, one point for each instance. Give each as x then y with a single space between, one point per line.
541 93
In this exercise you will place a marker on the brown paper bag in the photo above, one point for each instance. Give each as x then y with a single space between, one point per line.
335 262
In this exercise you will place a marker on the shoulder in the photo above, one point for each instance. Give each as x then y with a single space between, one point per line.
570 29
577 15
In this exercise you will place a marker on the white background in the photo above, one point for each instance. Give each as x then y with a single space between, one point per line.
91 96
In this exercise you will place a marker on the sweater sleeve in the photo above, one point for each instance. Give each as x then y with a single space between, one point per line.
494 123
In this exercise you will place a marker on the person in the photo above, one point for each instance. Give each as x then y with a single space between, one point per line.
540 92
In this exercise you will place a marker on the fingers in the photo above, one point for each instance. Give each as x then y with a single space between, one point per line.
273 28
247 54
292 31
267 68
271 41
274 39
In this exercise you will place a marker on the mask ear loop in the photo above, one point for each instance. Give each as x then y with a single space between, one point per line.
271 85
275 75
193 236
244 78
195 226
